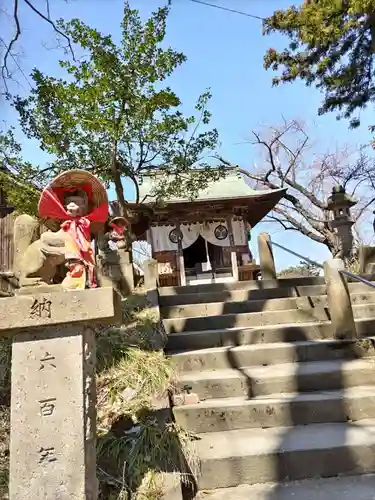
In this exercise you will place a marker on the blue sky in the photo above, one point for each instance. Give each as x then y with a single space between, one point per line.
225 52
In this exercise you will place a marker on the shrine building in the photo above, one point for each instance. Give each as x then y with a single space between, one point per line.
206 239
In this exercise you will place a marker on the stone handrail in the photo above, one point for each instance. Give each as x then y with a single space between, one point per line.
339 301
267 260
337 290
306 259
357 277
151 283
345 272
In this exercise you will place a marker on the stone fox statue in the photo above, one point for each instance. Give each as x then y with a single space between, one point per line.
37 259
74 207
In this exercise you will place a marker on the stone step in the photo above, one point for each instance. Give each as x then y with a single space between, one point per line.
250 306
359 487
257 294
237 295
204 339
278 410
282 378
253 456
173 325
221 358
248 285
240 285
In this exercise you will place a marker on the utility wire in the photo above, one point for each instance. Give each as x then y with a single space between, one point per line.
229 10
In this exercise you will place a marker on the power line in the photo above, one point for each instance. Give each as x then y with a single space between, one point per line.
229 10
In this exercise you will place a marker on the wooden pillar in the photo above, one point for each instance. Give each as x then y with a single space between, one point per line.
233 254
246 224
180 258
151 239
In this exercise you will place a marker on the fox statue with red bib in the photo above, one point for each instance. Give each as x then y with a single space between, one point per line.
74 209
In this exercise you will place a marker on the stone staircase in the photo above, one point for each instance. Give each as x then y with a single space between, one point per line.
283 406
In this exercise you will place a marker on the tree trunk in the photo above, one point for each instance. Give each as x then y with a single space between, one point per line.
117 181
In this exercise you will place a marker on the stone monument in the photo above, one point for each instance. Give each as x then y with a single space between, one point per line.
53 396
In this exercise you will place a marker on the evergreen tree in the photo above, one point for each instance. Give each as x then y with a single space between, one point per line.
332 46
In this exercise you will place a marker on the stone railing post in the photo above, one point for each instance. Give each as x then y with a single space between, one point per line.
151 284
151 274
127 271
366 257
53 390
339 303
266 260
152 294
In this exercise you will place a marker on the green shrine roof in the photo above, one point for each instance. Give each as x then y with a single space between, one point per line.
232 186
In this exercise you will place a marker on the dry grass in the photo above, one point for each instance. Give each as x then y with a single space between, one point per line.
137 443
131 385
4 449
353 265
136 461
5 355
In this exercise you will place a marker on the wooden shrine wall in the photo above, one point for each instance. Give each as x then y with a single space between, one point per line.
171 257
6 239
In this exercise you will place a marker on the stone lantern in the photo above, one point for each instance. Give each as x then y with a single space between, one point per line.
340 204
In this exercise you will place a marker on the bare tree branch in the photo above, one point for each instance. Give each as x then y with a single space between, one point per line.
299 226
9 46
292 163
4 68
297 205
270 152
365 207
282 222
288 160
40 14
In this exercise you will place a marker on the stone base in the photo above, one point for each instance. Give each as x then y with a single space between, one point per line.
53 307
31 290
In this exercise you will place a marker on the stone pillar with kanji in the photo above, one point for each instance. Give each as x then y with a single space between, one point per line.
53 390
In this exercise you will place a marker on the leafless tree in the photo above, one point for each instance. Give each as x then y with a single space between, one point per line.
289 160
8 47
141 251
